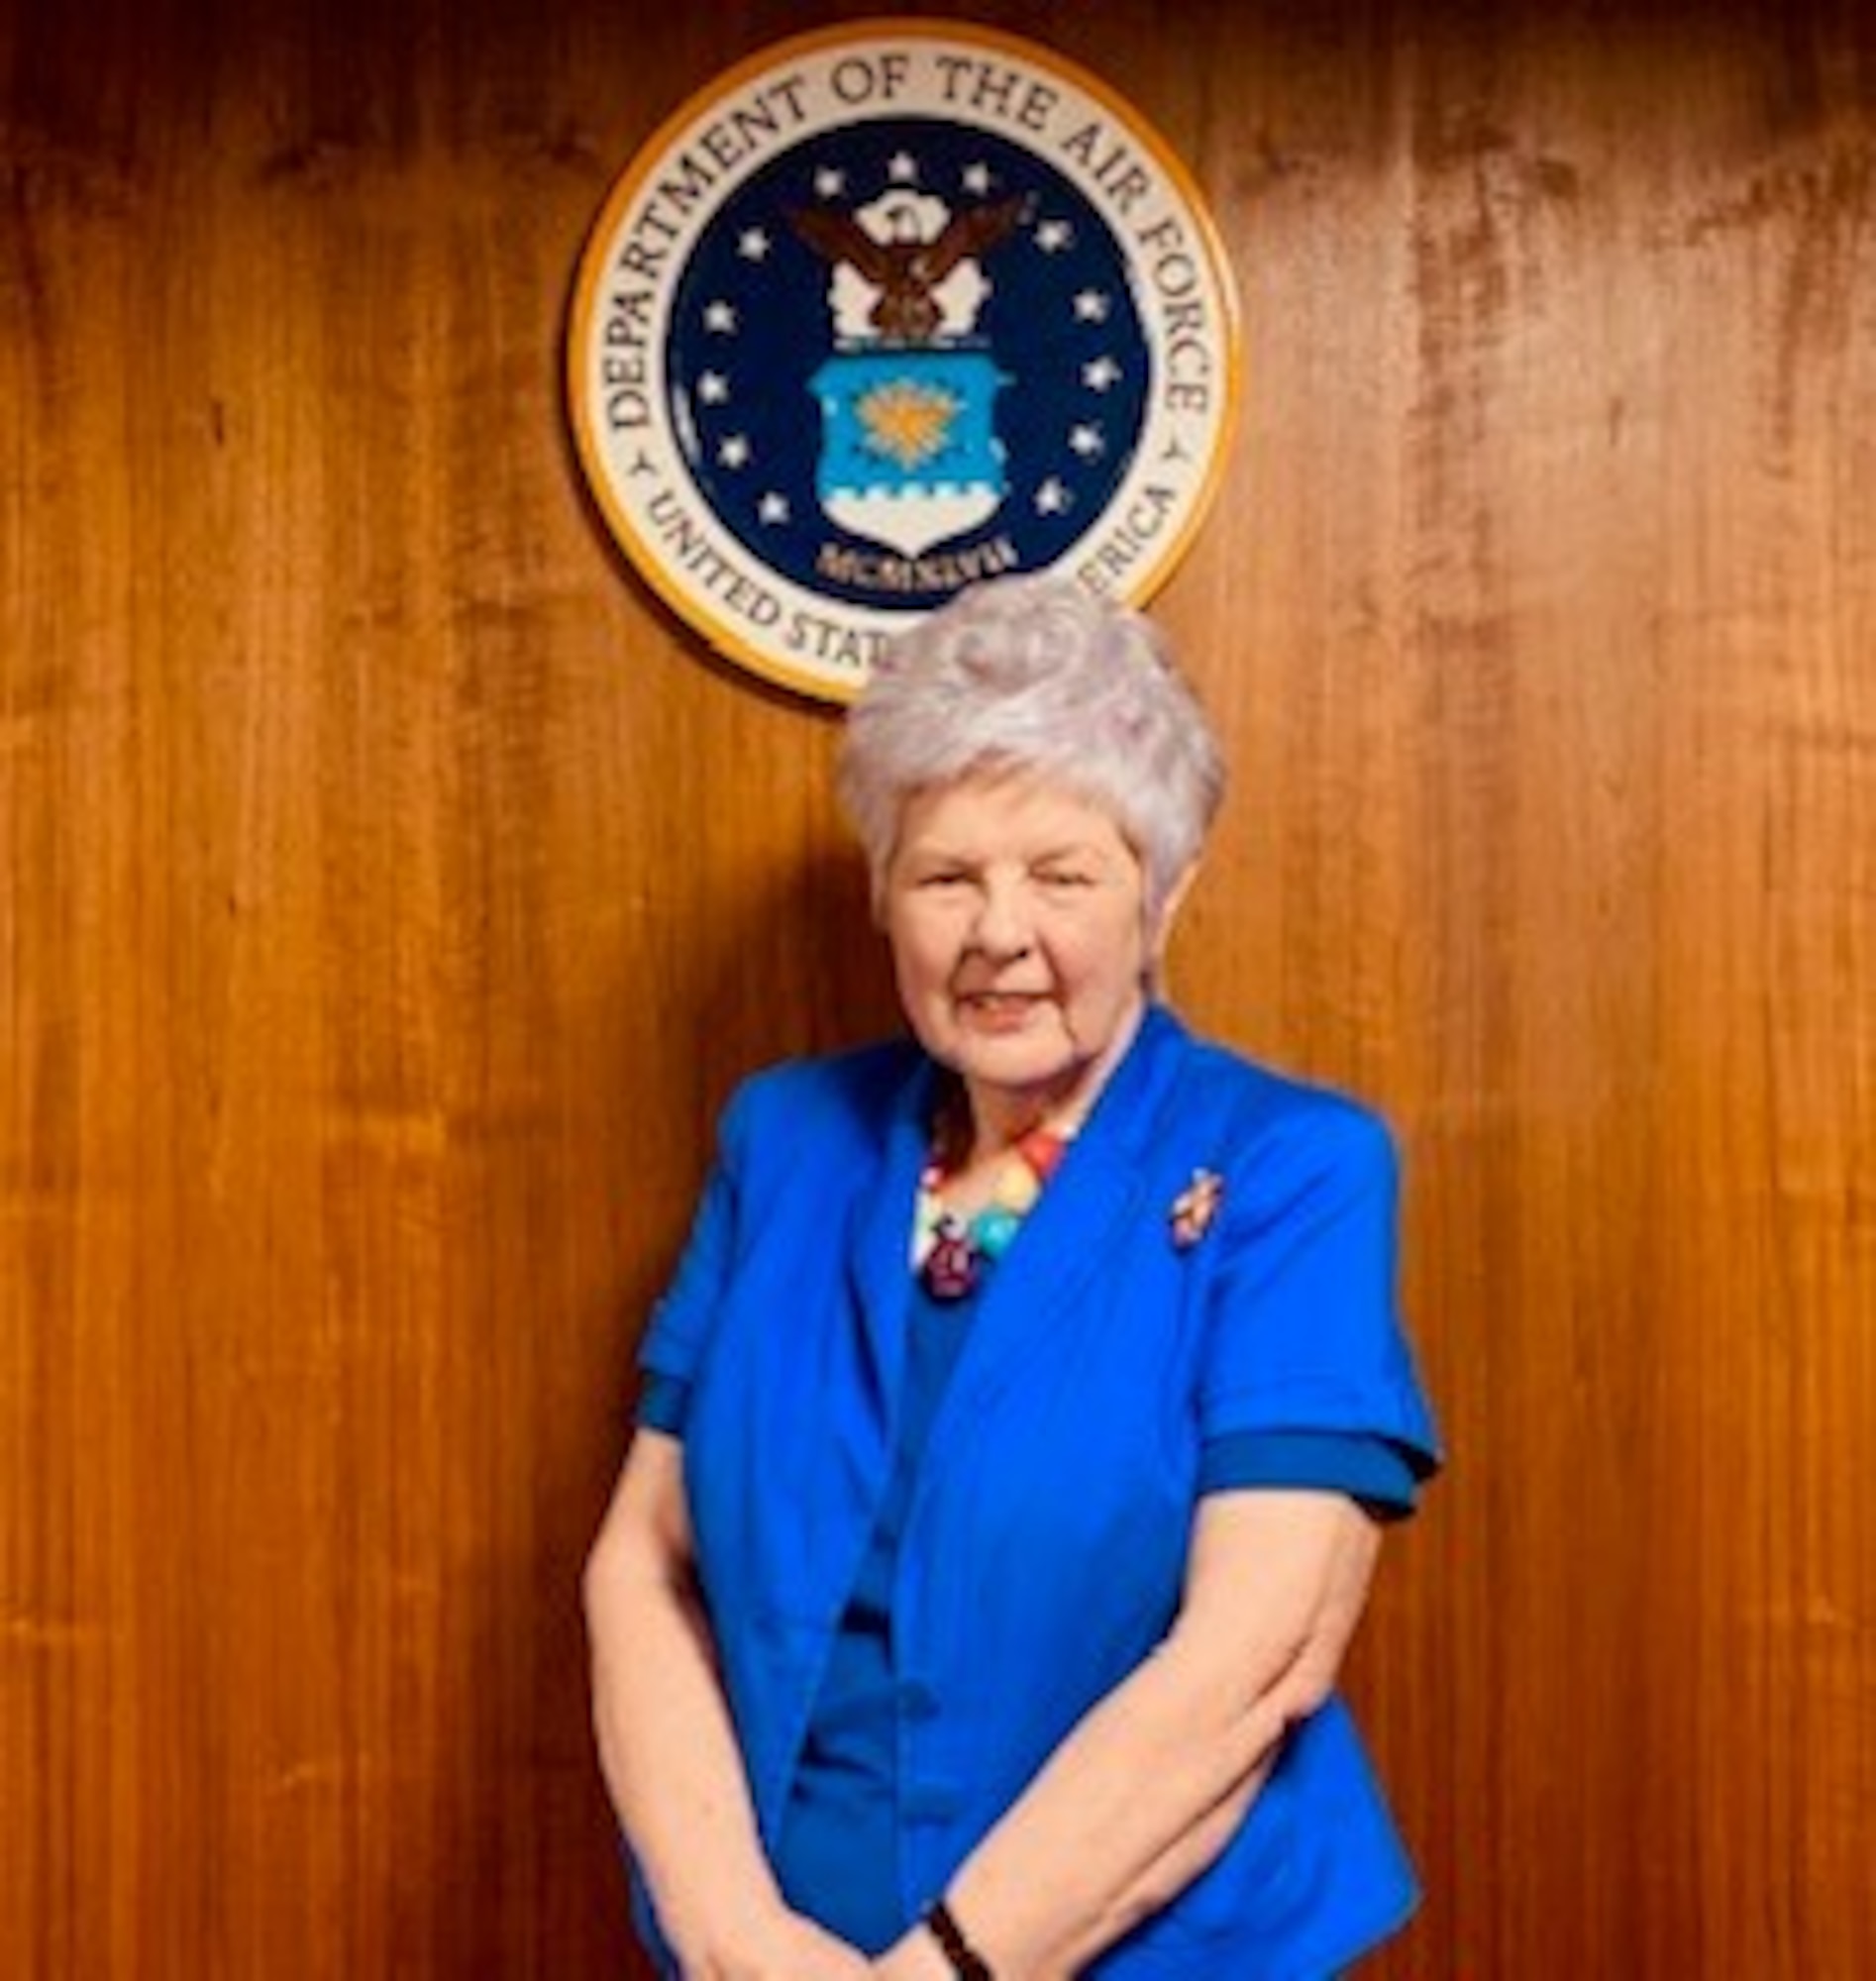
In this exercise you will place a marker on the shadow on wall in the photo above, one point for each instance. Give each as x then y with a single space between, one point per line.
794 967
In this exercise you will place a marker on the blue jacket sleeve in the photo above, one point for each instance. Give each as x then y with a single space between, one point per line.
681 1321
1303 1332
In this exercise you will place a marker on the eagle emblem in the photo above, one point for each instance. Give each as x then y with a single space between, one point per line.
903 267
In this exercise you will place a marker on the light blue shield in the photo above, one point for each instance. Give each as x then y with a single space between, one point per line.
909 450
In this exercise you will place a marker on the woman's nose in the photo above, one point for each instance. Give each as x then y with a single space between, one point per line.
1002 921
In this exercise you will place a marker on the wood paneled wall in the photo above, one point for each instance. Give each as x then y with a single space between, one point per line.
390 890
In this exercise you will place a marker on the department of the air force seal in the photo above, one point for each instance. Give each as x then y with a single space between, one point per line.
887 309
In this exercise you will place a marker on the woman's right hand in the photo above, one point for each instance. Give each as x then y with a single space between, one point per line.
786 1947
807 1951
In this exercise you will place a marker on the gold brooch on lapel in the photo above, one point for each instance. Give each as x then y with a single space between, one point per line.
1196 1206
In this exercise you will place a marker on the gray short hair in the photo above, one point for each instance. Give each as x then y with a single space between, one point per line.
1035 673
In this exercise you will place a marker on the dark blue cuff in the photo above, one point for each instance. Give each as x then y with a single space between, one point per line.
1371 1469
664 1403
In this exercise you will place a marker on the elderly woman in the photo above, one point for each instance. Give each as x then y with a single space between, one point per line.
1017 1426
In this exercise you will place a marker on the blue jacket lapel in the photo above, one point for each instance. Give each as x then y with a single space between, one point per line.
1074 1227
882 1228
1096 1198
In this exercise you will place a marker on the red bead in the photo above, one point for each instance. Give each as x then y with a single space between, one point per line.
950 1266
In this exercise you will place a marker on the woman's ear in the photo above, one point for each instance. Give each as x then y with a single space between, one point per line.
1160 934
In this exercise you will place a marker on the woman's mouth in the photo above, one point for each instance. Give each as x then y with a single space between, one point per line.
999 1011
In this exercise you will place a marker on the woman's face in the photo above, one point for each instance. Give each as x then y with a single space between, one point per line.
1016 913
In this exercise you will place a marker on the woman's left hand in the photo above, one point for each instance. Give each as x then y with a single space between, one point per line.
914 1957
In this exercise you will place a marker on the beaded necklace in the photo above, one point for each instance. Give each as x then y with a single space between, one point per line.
951 1251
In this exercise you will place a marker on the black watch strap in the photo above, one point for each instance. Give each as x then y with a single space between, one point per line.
967 1963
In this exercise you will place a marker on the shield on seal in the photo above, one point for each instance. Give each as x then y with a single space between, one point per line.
909 450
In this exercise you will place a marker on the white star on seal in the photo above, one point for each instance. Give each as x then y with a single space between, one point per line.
1086 442
1052 236
713 389
773 507
1091 306
901 168
754 244
830 181
1051 498
977 179
734 452
1102 373
719 316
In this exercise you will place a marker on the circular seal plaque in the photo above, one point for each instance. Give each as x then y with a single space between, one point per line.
887 309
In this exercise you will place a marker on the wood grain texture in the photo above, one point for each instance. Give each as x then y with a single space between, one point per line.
391 890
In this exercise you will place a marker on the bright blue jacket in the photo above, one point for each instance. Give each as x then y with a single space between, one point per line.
1045 1549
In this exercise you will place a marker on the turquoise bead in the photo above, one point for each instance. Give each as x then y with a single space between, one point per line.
994 1231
